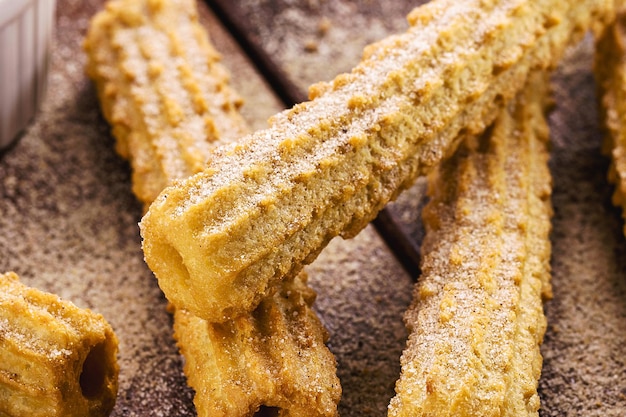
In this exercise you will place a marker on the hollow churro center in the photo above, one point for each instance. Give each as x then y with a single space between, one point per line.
176 268
93 375
265 411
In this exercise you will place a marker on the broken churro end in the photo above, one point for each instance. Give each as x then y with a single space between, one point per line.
58 360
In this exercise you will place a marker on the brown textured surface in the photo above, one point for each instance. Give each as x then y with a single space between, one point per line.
68 225
610 76
585 344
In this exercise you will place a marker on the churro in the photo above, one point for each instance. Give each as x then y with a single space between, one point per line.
610 70
274 357
162 88
219 241
58 360
477 321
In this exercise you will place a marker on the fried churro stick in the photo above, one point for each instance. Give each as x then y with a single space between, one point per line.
57 360
275 356
610 70
476 321
162 88
262 209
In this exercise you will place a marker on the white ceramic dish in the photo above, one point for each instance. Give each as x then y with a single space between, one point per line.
25 36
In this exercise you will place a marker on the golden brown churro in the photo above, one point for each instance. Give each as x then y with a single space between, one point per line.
162 88
262 209
57 360
276 355
610 72
476 321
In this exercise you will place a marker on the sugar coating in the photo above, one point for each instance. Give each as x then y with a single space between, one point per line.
162 88
274 357
266 206
182 107
477 321
46 342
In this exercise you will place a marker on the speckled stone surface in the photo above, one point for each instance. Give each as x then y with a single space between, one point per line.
68 223
584 350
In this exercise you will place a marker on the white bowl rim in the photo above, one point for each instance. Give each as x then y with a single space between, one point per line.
11 9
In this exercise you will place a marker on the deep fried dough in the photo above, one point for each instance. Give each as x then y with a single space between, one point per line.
610 70
476 321
56 360
262 209
273 358
162 89
276 355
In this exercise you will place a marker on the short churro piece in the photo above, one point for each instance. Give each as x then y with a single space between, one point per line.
610 72
162 88
56 360
476 322
274 358
264 208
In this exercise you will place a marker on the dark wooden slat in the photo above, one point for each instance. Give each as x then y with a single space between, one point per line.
229 15
399 242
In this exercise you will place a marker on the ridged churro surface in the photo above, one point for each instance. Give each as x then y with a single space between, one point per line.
162 88
275 356
57 360
477 321
610 69
262 209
